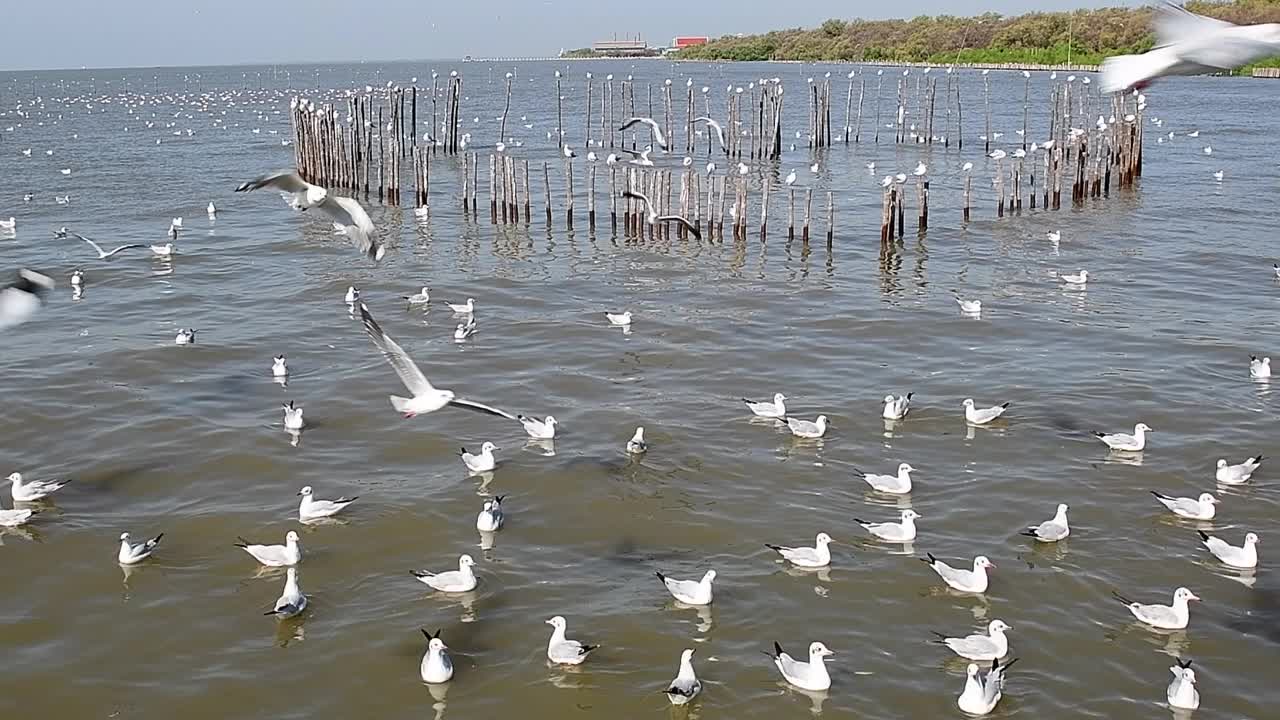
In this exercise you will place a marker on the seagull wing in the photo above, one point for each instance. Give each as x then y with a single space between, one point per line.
687 225
285 181
648 206
404 366
93 244
352 216
1175 24
479 407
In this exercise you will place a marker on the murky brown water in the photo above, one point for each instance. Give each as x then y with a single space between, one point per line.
188 441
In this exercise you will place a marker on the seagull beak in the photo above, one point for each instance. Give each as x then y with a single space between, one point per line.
1194 597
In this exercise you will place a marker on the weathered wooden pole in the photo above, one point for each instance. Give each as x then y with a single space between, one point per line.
546 188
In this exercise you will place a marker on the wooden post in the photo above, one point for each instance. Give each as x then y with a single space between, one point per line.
613 201
493 190
808 211
923 196
831 217
546 187
968 189
591 195
791 213
764 208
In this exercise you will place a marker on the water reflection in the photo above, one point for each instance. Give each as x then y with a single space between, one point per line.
1120 457
487 539
705 617
545 448
290 630
438 693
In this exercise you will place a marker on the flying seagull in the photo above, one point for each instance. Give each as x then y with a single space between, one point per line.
714 126
347 212
653 125
426 398
21 299
102 254
654 217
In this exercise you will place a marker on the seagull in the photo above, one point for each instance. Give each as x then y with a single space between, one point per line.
611 160
807 557
426 399
291 602
981 648
21 299
899 484
1190 44
539 429
211 210
1078 279
15 517
491 518
1217 175
653 217
454 581
1208 149
1259 368
1182 693
562 651
1127 443
886 181
1201 508
481 462
711 168
1019 153
636 445
1237 474
920 170
653 126
437 666
175 226
810 675
714 126
900 178
687 161
896 408
162 251
465 330
35 490
292 417
969 307
743 169
997 155
568 151
467 308
352 296
814 168
102 254
966 167
970 581
774 410
901 532
806 429
686 686
690 592
421 297
791 178
983 416
640 157
1164 617
77 280
312 509
302 195
274 555
982 694
10 224
871 166
1244 557
185 336
279 368
134 553
1193 134
1051 530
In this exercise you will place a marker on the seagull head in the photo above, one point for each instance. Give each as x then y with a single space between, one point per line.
968 402
15 478
905 468
549 421
488 447
997 626
818 650
823 539
557 622
889 398
1208 499
1062 508
124 537
910 515
709 577
687 655
982 563
1183 594
1143 427
465 561
778 398
1251 539
291 537
305 491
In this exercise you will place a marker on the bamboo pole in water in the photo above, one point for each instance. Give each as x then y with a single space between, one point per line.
546 189
591 197
986 96
613 201
568 193
493 189
831 217
808 211
764 208
527 218
791 213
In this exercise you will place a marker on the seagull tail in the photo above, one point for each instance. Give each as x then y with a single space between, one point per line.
587 648
1159 496
241 542
400 404
863 523
1255 460
1121 598
941 638
661 577
775 548
1203 535
421 573
1099 434
1005 406
929 558
1029 532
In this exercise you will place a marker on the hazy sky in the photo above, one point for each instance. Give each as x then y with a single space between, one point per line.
41 34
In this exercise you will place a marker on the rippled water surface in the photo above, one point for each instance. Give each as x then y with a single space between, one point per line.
189 441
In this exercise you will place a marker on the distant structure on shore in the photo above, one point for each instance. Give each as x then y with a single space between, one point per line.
628 46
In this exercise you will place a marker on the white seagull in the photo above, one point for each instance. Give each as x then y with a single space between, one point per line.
982 416
347 212
426 398
1201 508
1079 278
292 601
686 685
1244 557
978 647
437 666
810 675
491 518
467 308
480 462
622 319
453 581
896 408
103 254
16 516
1190 44
292 417
185 336
775 410
714 126
22 490
311 508
1127 443
807 557
982 693
898 532
1051 530
690 592
563 651
134 553
636 445
899 484
23 298
274 555
653 218
970 581
1259 368
539 429
352 296
279 366
421 297
1237 474
806 429
1182 692
969 307
1164 617
791 178
652 125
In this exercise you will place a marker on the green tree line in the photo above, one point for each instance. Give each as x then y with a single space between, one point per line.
1086 36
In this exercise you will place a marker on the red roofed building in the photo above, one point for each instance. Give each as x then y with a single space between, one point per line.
680 43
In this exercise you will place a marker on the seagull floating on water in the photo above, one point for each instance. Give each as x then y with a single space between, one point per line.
620 319
970 581
274 555
978 647
563 651
969 307
279 367
774 410
185 336
292 602
465 330
1201 508
480 462
806 429
422 297
807 557
134 553
686 685
426 398
899 484
636 445
292 417
437 666
1079 278
1259 368
1122 442
900 532
690 592
453 581
16 517
312 508
982 416
1244 557
467 308
896 408
810 675
1237 474
348 212
22 490
982 693
1182 692
539 429
1051 530
1164 617
491 518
